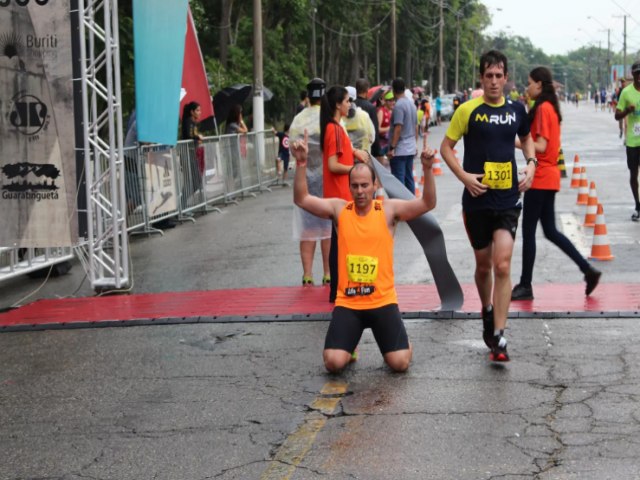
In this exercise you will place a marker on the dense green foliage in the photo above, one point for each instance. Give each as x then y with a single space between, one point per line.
353 40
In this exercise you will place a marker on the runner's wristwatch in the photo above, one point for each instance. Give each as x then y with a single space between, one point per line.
534 160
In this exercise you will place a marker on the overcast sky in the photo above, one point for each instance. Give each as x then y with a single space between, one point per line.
559 26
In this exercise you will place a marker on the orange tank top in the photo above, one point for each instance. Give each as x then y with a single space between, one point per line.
365 259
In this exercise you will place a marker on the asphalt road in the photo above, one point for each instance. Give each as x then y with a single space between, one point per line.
252 401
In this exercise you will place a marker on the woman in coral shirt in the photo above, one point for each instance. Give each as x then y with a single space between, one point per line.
539 200
338 157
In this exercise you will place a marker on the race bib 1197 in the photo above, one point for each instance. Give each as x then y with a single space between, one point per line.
362 268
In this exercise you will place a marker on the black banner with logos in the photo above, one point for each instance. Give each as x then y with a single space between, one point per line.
37 159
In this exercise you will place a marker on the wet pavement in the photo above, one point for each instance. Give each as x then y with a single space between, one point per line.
251 400
222 401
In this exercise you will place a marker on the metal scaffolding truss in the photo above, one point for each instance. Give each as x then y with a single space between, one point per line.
106 252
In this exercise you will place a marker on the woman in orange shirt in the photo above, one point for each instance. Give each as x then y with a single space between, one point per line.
539 200
338 157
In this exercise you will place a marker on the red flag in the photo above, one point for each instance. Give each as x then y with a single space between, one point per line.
194 77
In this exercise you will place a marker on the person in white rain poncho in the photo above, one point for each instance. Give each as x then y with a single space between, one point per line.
359 126
307 228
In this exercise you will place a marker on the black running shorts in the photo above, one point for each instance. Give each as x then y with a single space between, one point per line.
481 224
347 325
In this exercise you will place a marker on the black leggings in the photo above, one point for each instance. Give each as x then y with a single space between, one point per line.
539 205
333 264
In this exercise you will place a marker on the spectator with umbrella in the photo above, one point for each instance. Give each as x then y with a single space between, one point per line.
234 122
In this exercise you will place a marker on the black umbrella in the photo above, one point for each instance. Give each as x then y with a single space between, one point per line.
222 101
376 92
236 94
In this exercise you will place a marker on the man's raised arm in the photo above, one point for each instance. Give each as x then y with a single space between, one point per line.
320 207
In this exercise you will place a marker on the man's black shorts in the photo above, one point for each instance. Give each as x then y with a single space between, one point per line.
347 325
481 224
633 157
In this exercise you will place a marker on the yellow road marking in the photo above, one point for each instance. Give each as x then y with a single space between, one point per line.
298 444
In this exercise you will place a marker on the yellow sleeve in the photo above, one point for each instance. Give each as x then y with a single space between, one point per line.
460 120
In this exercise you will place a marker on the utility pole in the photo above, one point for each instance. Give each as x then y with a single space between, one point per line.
258 97
378 56
314 59
608 56
458 14
393 38
473 58
607 74
624 54
598 63
624 45
258 103
441 50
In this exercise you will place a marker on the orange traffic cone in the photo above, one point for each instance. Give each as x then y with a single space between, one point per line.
435 168
575 173
592 207
583 190
600 249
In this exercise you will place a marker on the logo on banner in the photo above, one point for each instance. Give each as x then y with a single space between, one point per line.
33 46
22 3
30 181
11 45
29 115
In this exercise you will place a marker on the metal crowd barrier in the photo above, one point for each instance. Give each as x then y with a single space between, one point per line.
175 182
21 261
163 182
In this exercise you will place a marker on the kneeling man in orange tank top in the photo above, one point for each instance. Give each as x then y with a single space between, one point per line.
366 296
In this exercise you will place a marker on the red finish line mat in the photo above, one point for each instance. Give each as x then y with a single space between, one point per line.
302 304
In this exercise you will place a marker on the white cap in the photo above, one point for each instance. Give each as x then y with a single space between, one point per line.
352 93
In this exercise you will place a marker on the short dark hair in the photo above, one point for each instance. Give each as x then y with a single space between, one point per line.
367 165
398 85
362 86
303 95
491 58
